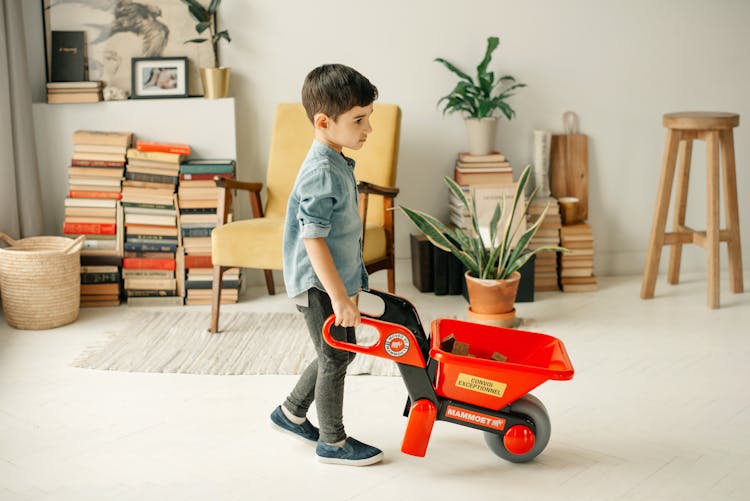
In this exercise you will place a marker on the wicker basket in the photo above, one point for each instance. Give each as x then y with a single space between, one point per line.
40 281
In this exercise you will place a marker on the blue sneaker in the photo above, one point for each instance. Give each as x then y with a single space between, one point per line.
305 431
352 453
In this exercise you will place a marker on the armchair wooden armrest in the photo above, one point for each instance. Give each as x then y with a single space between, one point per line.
224 194
370 188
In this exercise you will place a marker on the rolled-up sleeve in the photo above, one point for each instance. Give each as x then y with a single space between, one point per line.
317 199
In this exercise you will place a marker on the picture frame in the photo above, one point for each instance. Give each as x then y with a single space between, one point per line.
116 32
158 77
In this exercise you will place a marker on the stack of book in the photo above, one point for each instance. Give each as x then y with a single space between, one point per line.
577 267
92 208
198 201
152 258
74 92
486 198
545 263
100 285
473 170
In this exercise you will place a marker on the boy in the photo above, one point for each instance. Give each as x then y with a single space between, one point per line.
323 260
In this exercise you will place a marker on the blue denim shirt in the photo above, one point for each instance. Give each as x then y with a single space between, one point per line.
324 203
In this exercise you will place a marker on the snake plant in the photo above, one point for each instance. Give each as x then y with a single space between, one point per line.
496 259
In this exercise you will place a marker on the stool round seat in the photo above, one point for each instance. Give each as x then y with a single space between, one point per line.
701 120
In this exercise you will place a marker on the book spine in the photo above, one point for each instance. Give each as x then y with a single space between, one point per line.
150 293
140 263
455 275
89 228
97 278
149 247
440 271
96 163
150 178
206 169
197 177
207 284
94 194
196 232
198 261
150 146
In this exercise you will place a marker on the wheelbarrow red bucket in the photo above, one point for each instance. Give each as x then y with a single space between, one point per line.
532 358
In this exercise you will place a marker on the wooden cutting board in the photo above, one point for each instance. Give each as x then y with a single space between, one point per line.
569 169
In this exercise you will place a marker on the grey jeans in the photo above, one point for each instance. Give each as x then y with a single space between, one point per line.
323 380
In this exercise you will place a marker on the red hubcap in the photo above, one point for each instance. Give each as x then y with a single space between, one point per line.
519 439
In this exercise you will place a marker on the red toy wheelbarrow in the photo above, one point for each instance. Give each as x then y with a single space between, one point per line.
470 390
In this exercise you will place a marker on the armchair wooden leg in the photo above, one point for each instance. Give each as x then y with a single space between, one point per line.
392 280
216 297
269 282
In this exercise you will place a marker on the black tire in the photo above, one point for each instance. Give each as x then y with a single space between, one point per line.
534 409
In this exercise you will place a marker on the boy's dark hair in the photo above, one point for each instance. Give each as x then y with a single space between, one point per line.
334 89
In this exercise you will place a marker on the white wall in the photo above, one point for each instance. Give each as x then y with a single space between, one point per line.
618 64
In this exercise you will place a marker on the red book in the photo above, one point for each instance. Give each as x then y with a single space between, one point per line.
198 261
145 263
182 149
95 194
96 163
89 228
195 177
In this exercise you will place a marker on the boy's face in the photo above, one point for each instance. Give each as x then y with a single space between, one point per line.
350 130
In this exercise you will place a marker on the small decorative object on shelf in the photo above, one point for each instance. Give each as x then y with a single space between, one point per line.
155 77
542 144
479 99
215 80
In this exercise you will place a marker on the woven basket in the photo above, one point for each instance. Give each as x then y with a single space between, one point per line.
40 281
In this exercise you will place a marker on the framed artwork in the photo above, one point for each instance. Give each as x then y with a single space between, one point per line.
116 31
159 77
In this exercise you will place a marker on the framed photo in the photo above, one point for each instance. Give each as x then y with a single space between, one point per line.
159 77
116 31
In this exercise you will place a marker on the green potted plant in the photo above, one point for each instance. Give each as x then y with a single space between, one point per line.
492 266
215 80
480 99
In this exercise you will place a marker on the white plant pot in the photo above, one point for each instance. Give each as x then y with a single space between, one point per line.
482 133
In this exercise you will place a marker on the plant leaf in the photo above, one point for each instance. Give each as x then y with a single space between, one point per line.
198 11
201 27
492 43
455 70
213 6
222 34
196 40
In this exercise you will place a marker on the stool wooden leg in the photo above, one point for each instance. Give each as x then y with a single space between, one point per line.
731 212
683 180
712 216
663 195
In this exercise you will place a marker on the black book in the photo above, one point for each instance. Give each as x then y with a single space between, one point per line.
421 263
67 57
440 271
455 275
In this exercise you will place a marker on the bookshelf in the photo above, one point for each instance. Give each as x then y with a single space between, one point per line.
207 125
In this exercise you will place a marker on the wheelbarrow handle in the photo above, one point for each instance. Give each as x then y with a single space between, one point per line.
395 342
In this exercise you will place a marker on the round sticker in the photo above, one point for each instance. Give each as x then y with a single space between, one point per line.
397 344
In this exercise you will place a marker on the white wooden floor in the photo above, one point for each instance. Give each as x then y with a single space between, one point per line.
659 409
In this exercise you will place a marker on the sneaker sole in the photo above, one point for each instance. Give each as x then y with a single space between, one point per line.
352 462
292 434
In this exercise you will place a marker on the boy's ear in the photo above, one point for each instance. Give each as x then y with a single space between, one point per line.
320 120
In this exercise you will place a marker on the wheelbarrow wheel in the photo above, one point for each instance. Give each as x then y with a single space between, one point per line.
521 444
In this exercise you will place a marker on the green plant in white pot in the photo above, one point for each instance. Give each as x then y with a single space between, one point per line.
492 266
480 99
215 80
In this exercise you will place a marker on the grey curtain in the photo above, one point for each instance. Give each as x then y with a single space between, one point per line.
20 190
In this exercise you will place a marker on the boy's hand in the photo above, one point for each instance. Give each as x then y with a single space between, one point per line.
346 311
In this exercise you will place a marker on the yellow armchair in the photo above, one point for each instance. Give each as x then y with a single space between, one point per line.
257 242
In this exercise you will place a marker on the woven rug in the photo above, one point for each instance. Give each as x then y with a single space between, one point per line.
250 343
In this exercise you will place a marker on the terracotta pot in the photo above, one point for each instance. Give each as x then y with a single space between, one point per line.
495 319
492 296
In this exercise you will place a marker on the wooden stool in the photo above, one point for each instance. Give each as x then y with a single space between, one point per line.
682 129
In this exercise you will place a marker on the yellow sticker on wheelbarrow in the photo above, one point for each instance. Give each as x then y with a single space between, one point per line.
481 385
